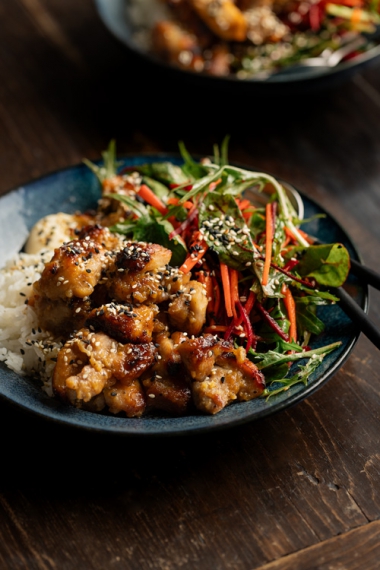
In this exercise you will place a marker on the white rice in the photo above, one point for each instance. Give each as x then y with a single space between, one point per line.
24 347
143 14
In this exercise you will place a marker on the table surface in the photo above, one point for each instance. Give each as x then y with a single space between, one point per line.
295 491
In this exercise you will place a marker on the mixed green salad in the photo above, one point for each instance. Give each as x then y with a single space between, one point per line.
265 277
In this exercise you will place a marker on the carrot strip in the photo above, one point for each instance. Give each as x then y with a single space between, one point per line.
146 194
356 16
243 204
234 291
226 288
217 295
268 243
301 232
198 248
173 201
214 184
215 328
291 310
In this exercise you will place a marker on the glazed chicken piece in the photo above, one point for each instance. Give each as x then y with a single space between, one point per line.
61 296
76 266
91 363
220 373
124 323
177 45
187 311
223 18
137 274
166 384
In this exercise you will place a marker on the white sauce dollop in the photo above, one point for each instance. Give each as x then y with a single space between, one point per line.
51 232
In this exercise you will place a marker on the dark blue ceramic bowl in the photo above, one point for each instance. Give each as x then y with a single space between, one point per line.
75 189
113 13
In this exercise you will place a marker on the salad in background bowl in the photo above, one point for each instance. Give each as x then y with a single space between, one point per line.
247 41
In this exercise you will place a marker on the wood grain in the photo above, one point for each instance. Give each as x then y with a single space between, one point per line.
297 490
358 549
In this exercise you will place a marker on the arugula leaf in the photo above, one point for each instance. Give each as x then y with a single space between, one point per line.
194 170
328 264
165 172
270 358
301 376
307 320
109 167
132 204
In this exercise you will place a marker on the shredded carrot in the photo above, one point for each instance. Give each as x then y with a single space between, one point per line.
226 288
234 282
199 248
268 242
214 184
301 232
215 328
243 204
291 310
173 201
217 295
356 16
146 194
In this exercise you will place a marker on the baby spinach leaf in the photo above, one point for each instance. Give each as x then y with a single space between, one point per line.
225 230
328 264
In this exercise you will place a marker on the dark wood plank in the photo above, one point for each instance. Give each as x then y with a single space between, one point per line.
241 498
357 549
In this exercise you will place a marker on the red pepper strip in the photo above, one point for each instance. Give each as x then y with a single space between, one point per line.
248 328
181 228
291 263
247 307
271 322
229 330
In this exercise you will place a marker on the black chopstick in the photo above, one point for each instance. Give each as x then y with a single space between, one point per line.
358 316
365 274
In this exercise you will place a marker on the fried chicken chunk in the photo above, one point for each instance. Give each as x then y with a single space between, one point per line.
124 323
92 363
166 384
61 296
187 312
137 273
220 373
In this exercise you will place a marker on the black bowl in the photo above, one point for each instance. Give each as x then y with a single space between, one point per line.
113 13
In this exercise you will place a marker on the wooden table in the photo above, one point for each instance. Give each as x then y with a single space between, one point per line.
295 491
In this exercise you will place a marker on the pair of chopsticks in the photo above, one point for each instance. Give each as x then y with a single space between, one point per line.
352 309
